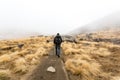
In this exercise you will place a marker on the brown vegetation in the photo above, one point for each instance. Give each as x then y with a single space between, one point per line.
92 60
18 61
94 56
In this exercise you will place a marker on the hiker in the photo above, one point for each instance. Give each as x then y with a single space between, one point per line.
57 42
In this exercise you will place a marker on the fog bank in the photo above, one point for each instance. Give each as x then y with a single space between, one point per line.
48 17
107 22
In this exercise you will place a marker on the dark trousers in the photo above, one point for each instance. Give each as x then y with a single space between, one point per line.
57 49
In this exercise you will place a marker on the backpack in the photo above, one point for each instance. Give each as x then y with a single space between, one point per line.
58 40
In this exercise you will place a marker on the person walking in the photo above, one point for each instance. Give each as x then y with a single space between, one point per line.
57 42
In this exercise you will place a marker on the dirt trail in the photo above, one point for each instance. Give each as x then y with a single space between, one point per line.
40 73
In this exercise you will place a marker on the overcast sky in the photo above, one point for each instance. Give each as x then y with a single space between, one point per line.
52 16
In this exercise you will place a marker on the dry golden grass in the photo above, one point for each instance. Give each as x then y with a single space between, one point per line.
84 66
5 58
20 65
91 48
34 61
116 78
102 52
79 59
4 75
20 61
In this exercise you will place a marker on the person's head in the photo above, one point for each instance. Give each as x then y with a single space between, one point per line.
58 34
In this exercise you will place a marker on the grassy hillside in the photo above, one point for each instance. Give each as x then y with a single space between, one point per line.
95 56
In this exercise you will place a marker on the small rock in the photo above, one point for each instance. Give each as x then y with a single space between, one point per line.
51 69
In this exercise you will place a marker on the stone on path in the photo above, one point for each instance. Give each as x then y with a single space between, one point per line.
51 69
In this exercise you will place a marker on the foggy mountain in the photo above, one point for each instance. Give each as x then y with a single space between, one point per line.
110 21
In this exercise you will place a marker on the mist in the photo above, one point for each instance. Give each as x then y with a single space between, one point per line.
107 22
48 17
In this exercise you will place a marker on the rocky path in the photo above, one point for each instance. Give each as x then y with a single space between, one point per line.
41 73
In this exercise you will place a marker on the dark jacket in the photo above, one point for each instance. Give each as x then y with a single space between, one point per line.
58 40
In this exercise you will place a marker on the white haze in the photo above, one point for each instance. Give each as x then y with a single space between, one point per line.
31 17
110 21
